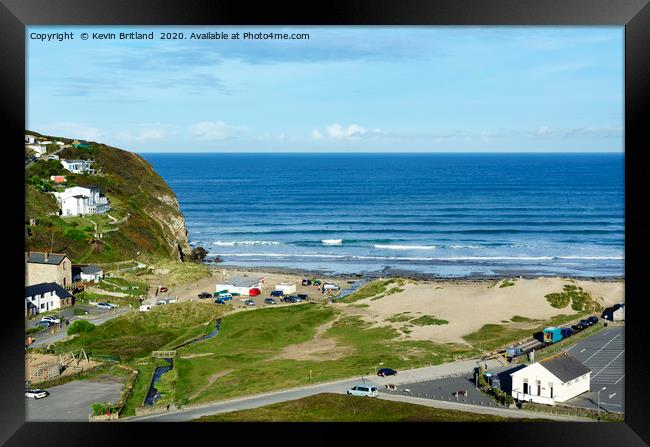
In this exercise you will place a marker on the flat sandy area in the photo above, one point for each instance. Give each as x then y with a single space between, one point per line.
468 306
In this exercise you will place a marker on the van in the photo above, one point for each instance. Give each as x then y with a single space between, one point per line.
363 390
145 308
277 293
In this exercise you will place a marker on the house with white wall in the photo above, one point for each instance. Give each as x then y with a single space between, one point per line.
241 285
30 139
78 166
81 200
37 148
90 273
46 296
556 379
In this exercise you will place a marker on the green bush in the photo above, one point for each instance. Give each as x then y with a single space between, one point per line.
77 235
80 326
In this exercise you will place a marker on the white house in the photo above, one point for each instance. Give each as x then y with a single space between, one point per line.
59 143
52 157
286 287
615 313
37 148
241 285
87 273
80 200
45 143
78 166
556 379
30 139
46 296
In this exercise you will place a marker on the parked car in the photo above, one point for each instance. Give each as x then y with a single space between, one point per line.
586 323
44 324
270 301
288 299
277 293
220 301
593 320
36 394
204 295
302 296
163 289
578 327
224 296
52 320
104 306
306 282
250 302
316 282
363 390
386 372
514 352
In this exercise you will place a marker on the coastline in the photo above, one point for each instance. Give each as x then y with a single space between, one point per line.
408 274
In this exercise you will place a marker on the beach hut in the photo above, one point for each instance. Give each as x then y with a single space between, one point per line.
286 288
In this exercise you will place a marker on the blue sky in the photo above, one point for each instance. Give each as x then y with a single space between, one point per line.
393 89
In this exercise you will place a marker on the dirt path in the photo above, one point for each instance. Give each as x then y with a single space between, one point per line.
317 349
213 378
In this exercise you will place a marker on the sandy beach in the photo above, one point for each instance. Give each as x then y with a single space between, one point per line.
467 304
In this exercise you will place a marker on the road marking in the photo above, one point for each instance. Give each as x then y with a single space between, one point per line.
583 350
619 379
619 354
612 395
604 346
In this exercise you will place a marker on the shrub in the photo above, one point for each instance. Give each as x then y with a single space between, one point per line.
80 326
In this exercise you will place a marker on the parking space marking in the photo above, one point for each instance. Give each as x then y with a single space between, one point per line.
603 347
612 395
619 379
583 350
610 362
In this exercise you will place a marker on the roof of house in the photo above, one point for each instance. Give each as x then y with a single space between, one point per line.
91 269
564 366
37 257
46 287
240 281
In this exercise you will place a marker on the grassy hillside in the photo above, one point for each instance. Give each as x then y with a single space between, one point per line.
149 220
328 407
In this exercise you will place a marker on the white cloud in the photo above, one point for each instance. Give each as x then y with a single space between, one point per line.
71 130
212 130
316 135
351 131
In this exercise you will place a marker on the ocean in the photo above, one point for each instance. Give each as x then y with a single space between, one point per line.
452 215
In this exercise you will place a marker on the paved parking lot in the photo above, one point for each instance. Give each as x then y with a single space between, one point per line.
604 354
71 402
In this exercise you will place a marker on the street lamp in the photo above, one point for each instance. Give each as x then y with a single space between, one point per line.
602 389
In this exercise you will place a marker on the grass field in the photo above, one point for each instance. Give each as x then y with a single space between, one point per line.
246 357
375 289
136 334
329 407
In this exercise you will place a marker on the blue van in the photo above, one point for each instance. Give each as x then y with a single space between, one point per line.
277 293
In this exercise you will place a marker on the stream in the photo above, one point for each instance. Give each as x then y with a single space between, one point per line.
153 395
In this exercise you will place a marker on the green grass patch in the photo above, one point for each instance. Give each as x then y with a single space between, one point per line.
507 283
520 319
140 388
328 407
360 306
136 334
580 299
33 330
397 318
373 289
249 344
428 320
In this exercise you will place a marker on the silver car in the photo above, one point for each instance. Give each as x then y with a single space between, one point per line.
363 390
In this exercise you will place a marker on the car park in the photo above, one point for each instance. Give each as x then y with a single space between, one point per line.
363 390
36 394
250 302
386 372
270 301
52 320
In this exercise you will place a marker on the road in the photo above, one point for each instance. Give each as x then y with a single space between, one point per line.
46 336
339 386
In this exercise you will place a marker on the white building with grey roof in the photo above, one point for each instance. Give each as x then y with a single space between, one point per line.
241 285
556 379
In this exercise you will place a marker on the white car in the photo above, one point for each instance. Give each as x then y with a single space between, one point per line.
104 306
36 394
363 390
52 320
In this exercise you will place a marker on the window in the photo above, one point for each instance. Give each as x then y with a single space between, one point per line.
525 386
539 387
42 306
550 386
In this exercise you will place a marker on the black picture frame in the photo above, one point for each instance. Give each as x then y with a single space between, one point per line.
634 15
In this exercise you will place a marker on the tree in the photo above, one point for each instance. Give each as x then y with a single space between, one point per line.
198 254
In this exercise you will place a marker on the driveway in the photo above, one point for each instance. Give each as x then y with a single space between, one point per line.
72 401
